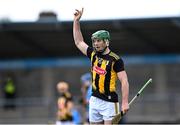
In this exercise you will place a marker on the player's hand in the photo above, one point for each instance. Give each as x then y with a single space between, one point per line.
125 108
78 14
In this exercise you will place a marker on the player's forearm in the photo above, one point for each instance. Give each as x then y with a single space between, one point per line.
77 33
125 91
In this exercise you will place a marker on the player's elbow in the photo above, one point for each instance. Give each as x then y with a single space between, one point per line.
124 82
77 42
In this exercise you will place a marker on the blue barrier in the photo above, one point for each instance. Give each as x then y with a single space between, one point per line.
83 61
152 59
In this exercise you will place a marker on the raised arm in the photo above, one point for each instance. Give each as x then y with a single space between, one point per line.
125 90
78 38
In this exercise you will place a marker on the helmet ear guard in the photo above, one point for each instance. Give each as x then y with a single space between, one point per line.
106 41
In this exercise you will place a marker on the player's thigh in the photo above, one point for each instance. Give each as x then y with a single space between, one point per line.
111 109
94 113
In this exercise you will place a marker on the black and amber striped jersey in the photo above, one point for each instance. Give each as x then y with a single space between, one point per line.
104 69
64 113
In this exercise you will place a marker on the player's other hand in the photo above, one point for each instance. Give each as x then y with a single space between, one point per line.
125 108
78 14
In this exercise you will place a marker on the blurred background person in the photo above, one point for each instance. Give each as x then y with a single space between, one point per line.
9 90
67 113
63 90
86 89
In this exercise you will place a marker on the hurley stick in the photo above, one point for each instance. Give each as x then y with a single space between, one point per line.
118 117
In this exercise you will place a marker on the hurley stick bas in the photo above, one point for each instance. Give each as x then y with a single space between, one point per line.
119 116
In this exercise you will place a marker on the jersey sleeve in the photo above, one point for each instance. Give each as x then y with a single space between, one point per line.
89 52
119 65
